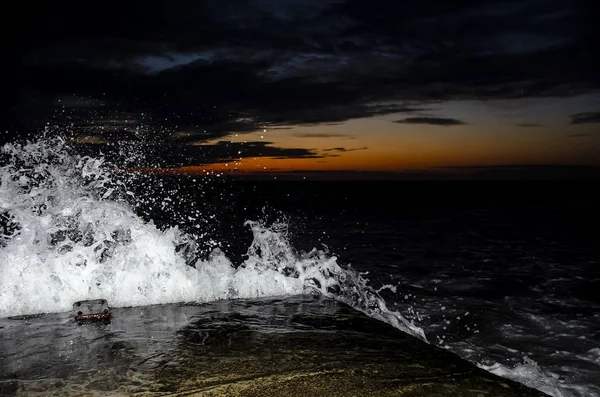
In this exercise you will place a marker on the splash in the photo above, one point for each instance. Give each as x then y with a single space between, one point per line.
69 232
530 374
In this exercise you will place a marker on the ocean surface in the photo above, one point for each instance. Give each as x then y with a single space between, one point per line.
504 274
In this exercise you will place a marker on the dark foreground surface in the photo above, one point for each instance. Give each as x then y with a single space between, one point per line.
295 346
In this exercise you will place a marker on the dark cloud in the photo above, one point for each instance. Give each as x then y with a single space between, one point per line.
343 149
430 120
206 68
585 118
529 125
164 155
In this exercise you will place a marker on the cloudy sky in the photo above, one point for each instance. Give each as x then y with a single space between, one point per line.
416 89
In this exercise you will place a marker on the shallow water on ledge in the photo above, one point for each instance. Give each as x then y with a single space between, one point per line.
244 347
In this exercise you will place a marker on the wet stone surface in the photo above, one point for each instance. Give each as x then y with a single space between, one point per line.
297 346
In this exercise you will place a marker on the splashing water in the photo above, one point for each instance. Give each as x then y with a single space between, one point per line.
530 374
69 233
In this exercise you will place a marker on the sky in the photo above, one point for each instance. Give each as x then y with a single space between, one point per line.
317 89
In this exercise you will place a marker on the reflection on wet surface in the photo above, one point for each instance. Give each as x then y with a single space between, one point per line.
289 346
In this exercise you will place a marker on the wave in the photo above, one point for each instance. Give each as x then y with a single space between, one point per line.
69 232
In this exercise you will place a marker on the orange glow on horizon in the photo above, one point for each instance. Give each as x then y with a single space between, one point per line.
380 145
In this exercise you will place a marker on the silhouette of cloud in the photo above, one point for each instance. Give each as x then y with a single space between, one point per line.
201 64
585 118
529 125
342 149
170 75
178 155
441 121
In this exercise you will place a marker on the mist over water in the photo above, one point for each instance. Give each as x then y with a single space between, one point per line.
73 227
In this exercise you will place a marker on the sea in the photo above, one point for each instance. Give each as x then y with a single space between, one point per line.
504 274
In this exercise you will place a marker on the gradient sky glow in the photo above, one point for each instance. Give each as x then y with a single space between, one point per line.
526 132
415 89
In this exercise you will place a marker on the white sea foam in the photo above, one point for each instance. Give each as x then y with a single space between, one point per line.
592 356
69 234
530 374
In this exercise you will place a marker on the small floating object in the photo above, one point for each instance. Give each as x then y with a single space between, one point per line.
91 311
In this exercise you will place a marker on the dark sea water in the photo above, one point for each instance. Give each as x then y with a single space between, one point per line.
504 274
